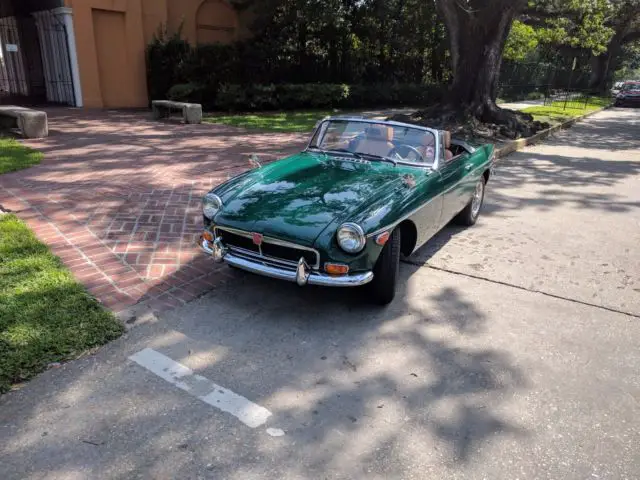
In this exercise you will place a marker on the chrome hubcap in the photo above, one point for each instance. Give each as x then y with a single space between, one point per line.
476 201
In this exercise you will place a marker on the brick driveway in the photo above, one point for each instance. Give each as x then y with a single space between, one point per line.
117 198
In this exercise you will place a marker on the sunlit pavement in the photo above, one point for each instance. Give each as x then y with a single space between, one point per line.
510 352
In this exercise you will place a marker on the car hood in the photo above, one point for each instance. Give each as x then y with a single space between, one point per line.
296 198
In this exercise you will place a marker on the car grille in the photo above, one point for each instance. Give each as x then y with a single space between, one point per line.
277 252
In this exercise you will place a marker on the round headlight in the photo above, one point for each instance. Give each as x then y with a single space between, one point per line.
351 238
211 204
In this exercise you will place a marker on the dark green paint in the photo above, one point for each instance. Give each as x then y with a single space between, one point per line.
306 197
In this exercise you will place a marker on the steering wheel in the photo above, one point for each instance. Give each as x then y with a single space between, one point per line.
408 150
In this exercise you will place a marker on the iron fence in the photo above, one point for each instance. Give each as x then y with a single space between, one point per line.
569 99
35 65
536 81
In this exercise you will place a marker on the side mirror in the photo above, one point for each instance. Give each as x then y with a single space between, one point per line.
254 161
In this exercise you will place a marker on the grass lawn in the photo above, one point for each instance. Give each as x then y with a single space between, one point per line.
302 121
45 315
556 113
15 156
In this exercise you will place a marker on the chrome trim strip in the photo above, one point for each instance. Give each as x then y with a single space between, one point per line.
412 212
259 257
271 240
315 278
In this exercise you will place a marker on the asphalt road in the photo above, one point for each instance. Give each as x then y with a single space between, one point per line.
512 353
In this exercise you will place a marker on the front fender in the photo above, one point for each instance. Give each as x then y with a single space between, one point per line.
385 211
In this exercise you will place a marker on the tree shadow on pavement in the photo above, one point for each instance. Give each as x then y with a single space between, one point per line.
358 389
596 132
331 369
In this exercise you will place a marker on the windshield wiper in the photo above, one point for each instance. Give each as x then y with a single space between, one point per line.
380 157
344 150
338 150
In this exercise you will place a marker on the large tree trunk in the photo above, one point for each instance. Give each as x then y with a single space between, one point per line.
603 65
477 34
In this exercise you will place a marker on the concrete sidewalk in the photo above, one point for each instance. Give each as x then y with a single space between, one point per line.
521 105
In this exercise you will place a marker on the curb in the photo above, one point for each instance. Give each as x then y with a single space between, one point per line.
520 143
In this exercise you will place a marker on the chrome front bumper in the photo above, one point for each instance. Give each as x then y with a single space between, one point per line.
302 275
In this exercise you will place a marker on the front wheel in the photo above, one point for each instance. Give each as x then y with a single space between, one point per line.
385 273
469 215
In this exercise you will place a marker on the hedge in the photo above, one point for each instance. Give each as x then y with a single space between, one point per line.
236 97
216 77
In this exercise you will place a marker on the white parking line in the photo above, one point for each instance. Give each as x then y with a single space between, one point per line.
249 413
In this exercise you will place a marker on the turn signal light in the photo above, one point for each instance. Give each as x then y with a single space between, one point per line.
208 236
382 238
336 268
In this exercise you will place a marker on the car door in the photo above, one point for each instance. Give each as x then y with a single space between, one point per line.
451 175
427 207
471 173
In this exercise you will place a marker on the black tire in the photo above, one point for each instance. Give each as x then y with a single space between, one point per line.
385 273
469 215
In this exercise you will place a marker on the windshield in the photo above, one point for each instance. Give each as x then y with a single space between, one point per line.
376 140
631 86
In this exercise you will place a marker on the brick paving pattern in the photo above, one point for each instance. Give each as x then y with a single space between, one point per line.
117 198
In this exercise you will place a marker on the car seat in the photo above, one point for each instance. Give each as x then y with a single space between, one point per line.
376 141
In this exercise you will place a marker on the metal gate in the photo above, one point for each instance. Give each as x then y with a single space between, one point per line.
35 66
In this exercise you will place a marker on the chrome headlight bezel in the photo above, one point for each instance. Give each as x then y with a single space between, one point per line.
211 205
350 238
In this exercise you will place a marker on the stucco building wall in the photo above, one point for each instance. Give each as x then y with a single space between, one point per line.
111 37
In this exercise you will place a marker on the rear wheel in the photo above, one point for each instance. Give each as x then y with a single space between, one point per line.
470 214
385 273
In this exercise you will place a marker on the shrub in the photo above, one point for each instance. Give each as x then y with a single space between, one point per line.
185 92
535 95
241 76
390 95
236 97
166 57
311 95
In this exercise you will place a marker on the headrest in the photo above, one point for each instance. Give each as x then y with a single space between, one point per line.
380 132
447 139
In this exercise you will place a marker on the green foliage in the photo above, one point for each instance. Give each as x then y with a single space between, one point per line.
235 97
45 315
166 56
534 95
309 42
522 41
579 24
15 156
183 92
629 66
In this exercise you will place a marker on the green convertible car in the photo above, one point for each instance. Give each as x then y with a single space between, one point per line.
341 212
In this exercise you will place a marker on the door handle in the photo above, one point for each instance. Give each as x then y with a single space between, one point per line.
468 166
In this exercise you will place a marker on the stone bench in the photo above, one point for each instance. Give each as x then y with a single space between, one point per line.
191 112
31 123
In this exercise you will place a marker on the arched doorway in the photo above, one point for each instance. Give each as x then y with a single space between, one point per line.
216 22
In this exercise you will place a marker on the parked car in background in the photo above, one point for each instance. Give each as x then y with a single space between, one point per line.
629 95
616 88
341 212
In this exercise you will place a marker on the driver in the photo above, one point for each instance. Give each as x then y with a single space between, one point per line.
427 148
